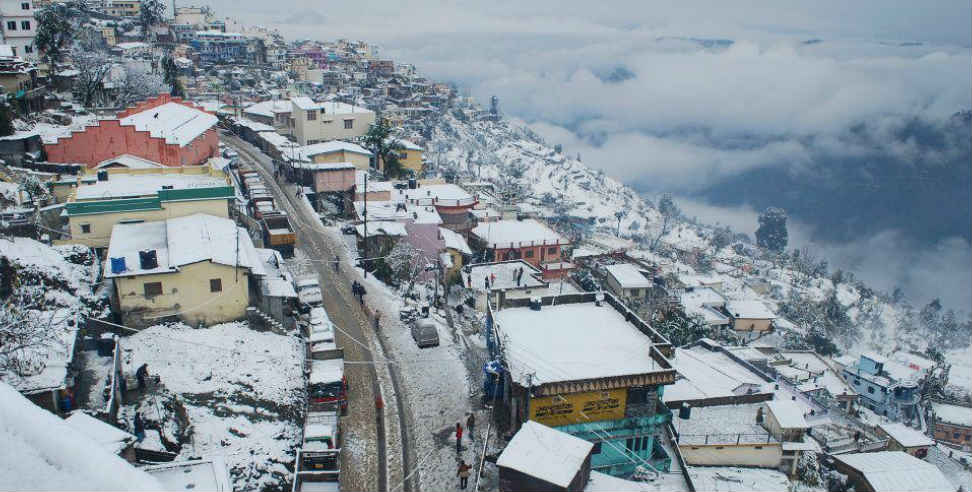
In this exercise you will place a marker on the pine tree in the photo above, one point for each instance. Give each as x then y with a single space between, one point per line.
772 234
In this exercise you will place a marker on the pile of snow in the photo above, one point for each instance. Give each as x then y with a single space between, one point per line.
242 392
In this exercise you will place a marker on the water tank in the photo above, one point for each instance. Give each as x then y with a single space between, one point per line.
685 411
148 259
118 265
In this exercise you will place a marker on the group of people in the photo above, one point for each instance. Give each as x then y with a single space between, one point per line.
463 471
358 291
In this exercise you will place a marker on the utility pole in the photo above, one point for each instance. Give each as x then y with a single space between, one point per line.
365 215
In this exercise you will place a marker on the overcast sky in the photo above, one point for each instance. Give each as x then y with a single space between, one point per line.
686 109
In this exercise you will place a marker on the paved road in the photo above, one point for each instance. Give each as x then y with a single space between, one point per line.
364 438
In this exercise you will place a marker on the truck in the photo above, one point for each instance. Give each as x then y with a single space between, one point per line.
320 336
318 464
309 294
327 387
278 234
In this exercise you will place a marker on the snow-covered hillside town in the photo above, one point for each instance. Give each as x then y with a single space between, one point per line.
235 261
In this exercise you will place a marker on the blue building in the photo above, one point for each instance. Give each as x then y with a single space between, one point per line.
895 398
220 47
586 365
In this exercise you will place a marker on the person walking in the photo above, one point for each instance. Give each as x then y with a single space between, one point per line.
139 427
471 426
458 438
140 375
463 474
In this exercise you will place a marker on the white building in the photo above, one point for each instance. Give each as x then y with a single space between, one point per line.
19 27
322 121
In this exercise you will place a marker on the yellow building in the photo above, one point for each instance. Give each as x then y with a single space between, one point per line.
108 33
197 269
95 206
409 154
337 151
316 122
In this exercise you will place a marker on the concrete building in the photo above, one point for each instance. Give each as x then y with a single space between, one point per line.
496 282
452 202
903 438
952 423
275 113
750 316
585 365
890 471
628 281
409 155
18 77
123 8
529 239
195 268
542 458
19 27
336 151
728 435
165 129
879 391
130 196
316 122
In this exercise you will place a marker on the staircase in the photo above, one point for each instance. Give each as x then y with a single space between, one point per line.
263 321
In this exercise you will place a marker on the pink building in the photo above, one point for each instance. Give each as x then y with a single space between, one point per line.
329 176
164 129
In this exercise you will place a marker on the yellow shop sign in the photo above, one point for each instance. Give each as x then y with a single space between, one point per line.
578 408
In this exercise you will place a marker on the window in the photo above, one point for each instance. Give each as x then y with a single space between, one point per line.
870 389
153 289
11 25
85 228
25 25
637 395
215 285
311 115
25 6
14 50
596 449
348 124
629 444
552 251
528 253
28 49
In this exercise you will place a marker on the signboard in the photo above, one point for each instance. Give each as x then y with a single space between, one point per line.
579 408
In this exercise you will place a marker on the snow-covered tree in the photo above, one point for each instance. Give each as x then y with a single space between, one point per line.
772 234
93 68
35 189
405 261
151 13
669 212
56 26
137 83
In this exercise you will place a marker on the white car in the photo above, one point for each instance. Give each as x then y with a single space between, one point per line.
309 292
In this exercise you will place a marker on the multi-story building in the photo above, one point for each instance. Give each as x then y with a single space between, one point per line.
165 130
879 391
952 423
19 27
215 46
322 121
528 239
586 365
123 8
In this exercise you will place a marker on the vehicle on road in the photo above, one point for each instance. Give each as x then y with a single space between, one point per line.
278 234
320 336
327 388
309 293
425 333
319 457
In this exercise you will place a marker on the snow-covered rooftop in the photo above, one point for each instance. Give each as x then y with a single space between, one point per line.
514 233
391 211
42 452
788 414
751 309
252 125
454 240
325 166
136 185
906 436
129 161
329 107
707 374
896 471
176 123
182 241
738 479
277 282
548 454
571 342
724 424
405 144
628 276
269 108
505 278
207 474
307 152
444 194
382 228
952 414
109 437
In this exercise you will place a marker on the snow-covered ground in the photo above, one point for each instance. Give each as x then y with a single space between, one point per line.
241 390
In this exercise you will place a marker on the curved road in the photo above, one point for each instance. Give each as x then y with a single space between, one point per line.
363 427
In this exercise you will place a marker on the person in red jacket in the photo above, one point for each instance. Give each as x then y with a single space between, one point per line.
458 438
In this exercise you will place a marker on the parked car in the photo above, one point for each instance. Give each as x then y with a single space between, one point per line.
425 333
309 293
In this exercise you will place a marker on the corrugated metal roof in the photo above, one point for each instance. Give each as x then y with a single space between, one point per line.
110 206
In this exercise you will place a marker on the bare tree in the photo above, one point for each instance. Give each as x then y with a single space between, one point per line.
406 262
93 69
137 82
669 212
24 335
